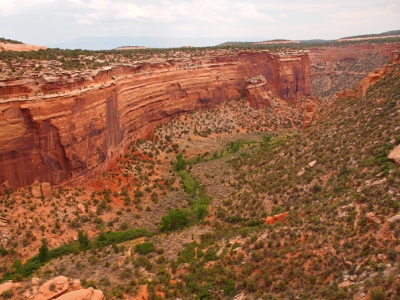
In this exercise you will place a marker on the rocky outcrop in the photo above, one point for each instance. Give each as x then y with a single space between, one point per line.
308 115
63 125
59 288
6 286
394 155
257 94
84 294
51 289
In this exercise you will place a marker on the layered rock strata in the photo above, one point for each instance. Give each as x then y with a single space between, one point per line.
58 126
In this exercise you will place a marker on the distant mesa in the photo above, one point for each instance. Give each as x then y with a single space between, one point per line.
131 47
12 45
277 42
383 35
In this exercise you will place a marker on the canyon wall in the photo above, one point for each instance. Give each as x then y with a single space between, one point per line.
336 68
362 87
63 125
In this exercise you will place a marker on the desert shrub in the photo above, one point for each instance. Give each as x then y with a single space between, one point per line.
144 248
175 219
377 294
7 294
180 163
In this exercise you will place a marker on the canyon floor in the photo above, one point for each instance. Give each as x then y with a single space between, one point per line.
229 202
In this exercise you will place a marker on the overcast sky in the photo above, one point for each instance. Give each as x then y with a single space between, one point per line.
48 22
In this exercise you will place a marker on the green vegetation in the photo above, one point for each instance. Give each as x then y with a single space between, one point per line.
383 34
83 239
4 40
175 219
45 255
333 181
144 248
7 294
198 201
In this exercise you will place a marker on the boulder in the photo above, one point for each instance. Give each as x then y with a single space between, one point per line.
36 192
6 286
394 155
81 208
46 190
313 163
272 219
394 219
240 297
378 182
301 172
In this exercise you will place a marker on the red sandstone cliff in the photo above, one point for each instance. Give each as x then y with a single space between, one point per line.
54 127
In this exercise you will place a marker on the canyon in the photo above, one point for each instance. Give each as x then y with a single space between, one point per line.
58 125
291 187
54 128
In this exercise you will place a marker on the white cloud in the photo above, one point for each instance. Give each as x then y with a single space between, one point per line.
78 2
83 21
249 12
298 19
6 7
132 11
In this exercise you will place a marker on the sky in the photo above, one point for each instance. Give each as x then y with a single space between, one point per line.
54 22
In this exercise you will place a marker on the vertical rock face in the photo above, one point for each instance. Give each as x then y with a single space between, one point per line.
291 76
88 118
294 74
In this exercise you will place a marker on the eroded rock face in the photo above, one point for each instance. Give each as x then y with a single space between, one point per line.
89 117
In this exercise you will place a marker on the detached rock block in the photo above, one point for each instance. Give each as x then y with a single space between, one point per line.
36 192
46 190
394 155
